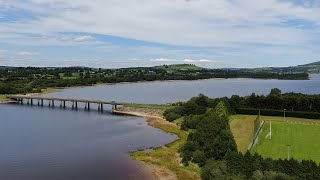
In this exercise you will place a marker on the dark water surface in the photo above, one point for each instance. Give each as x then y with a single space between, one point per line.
41 143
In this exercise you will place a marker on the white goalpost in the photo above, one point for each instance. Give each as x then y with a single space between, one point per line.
269 135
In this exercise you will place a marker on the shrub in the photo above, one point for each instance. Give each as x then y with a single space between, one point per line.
199 157
172 116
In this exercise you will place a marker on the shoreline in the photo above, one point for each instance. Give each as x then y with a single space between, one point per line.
5 100
164 162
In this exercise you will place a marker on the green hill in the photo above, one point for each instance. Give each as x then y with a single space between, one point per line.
180 67
312 68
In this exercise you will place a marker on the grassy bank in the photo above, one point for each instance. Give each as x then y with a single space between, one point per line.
168 157
149 106
50 90
4 97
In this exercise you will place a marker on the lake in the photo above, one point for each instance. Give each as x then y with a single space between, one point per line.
43 143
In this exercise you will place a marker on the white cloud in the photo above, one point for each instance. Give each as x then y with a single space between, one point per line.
184 60
227 30
178 22
76 39
27 53
83 38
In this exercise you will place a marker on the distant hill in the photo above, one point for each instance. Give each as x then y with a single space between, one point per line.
180 67
311 68
312 64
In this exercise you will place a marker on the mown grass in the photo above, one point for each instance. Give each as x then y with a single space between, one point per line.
149 106
168 157
302 138
242 127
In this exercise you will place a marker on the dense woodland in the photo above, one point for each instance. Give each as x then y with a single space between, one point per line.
211 145
31 79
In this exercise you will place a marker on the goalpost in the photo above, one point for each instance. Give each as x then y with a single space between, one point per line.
269 135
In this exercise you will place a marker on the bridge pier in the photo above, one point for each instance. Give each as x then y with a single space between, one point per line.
101 107
28 102
31 102
49 103
64 104
41 102
38 102
72 104
88 106
52 103
76 105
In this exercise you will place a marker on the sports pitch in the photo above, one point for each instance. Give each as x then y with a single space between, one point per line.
303 139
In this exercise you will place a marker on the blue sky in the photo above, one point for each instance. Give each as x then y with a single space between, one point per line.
123 33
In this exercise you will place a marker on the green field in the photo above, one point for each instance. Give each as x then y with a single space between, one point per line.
303 138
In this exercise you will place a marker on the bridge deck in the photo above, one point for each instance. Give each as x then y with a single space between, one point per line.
68 99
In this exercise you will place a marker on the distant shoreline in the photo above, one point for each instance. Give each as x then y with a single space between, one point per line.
5 100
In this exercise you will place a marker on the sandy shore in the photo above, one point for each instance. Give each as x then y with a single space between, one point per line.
153 117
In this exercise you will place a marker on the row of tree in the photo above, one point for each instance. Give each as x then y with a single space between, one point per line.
273 104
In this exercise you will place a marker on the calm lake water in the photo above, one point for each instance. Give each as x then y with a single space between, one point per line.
174 91
43 143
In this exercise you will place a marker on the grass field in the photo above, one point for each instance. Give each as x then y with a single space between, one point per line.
303 138
242 127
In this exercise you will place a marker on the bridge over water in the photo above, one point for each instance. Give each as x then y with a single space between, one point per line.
39 100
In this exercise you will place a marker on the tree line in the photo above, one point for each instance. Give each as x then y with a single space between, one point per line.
273 104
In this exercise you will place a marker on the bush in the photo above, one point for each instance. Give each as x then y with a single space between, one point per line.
268 112
172 116
191 121
199 157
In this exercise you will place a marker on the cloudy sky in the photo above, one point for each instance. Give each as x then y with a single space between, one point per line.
122 33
